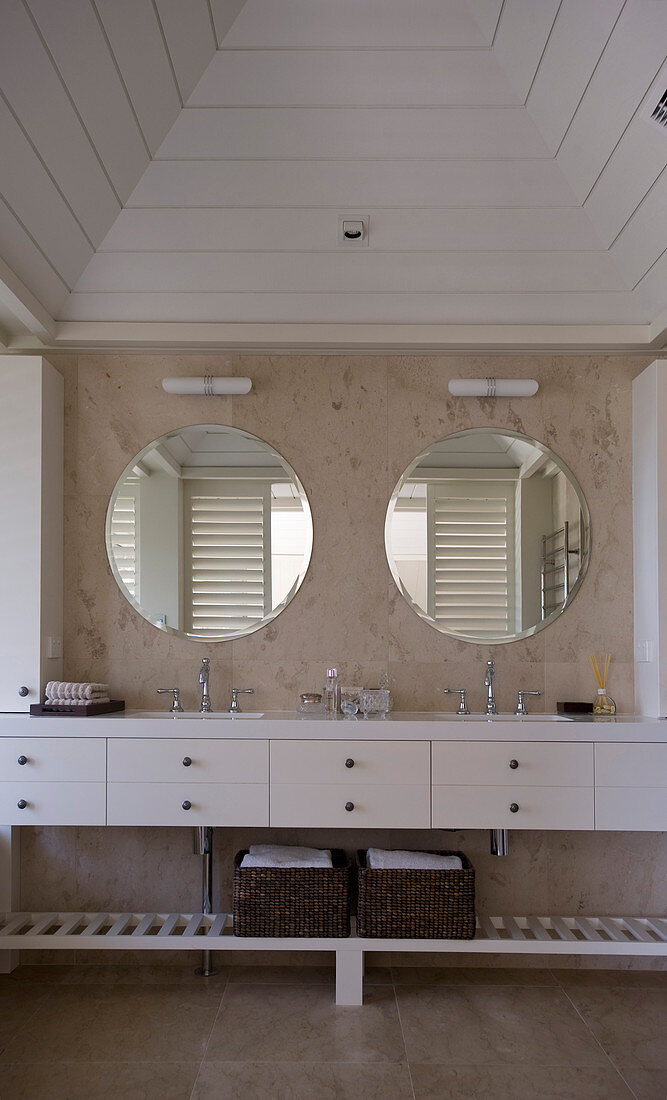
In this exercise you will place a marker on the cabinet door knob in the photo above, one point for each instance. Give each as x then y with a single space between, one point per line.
514 807
186 761
349 763
514 764
187 805
349 806
22 760
23 691
21 803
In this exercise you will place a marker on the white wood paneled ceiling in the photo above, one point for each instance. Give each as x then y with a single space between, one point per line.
173 171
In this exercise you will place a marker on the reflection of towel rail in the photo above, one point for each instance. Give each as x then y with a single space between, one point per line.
552 568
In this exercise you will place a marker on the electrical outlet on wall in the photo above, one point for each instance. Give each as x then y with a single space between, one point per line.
54 647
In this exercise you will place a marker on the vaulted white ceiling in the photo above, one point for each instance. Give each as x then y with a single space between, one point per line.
175 171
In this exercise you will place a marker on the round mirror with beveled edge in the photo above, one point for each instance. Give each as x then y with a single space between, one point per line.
488 535
209 532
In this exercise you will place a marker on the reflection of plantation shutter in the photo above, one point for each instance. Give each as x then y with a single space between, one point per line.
124 535
471 556
227 555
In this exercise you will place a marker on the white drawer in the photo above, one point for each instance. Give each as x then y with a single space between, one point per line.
49 759
631 766
156 760
52 803
512 764
489 807
210 804
640 808
371 762
385 806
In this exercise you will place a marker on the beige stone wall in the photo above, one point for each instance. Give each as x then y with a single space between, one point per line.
348 425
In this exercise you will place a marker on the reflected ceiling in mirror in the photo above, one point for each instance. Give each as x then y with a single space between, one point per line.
209 532
488 535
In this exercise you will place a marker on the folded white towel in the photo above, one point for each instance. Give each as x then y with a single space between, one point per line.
283 855
378 858
77 702
64 689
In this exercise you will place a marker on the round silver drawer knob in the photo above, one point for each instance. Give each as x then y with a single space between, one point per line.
349 763
514 764
514 807
349 806
187 805
22 760
23 691
21 803
187 761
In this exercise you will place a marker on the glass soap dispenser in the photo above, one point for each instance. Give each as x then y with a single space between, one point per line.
331 693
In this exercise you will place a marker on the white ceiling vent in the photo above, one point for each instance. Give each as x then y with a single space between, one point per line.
655 106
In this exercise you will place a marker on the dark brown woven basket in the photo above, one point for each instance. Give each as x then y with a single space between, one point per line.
410 904
292 901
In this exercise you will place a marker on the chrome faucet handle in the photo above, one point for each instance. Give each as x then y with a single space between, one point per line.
234 707
463 702
521 701
176 707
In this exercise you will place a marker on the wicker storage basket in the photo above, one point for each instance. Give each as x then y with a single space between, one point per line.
411 904
292 901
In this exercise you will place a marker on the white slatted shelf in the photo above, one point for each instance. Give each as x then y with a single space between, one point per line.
178 931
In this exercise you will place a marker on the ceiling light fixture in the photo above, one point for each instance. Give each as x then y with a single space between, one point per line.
208 386
493 387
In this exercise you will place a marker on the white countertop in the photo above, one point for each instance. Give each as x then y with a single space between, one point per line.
398 726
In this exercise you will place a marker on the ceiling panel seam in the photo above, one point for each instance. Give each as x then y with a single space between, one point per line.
500 15
638 206
212 22
650 269
39 248
634 115
345 206
167 51
45 166
546 46
121 78
72 103
588 82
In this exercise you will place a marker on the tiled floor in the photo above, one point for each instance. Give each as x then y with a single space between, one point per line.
143 1032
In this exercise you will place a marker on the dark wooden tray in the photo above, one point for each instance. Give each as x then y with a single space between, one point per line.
86 711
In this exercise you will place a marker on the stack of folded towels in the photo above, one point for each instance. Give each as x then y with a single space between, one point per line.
378 859
65 694
283 855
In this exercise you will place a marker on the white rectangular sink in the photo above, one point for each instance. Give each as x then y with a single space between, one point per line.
504 717
194 714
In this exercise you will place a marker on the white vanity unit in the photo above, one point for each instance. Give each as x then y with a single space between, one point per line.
408 771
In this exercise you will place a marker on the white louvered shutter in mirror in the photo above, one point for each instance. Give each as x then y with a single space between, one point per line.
228 555
124 520
471 564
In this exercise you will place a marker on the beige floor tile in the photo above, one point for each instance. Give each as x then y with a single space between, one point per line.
292 1024
100 1081
18 1003
520 1025
106 974
43 974
639 979
282 975
301 1081
464 975
118 1024
517 1083
631 1024
647 1084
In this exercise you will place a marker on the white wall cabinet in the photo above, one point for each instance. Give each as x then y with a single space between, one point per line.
31 504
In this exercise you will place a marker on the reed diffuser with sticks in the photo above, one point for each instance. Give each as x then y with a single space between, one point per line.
604 706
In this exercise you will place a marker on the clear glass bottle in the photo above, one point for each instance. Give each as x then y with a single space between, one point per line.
331 694
604 706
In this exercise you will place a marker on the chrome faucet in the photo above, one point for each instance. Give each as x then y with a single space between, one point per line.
489 685
234 706
203 680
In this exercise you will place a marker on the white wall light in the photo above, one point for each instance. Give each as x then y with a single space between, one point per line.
493 387
208 386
